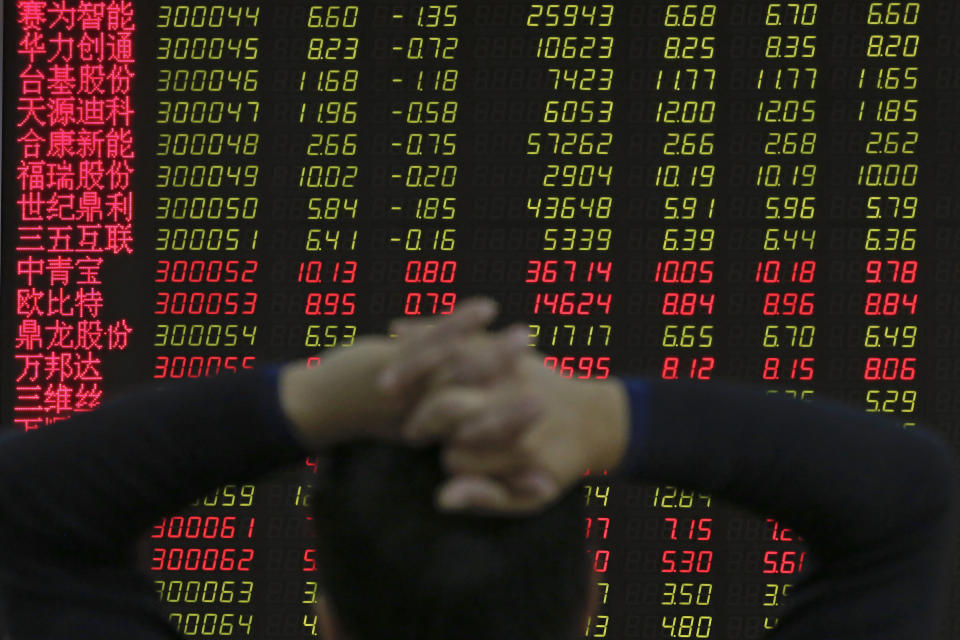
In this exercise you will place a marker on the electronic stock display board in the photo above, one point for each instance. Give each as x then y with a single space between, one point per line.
749 190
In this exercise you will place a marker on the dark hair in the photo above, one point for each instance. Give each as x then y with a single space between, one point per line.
394 566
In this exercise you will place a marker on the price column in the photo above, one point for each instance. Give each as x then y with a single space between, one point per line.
683 525
889 109
325 46
786 118
785 178
784 558
328 176
572 280
425 150
598 529
686 109
205 309
569 295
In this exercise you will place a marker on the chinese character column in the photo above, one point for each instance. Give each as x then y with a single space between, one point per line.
73 126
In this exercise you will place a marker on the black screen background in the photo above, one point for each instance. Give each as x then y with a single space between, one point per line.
500 102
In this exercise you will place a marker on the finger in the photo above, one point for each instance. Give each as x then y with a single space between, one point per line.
458 459
473 314
484 359
407 327
485 496
534 484
412 364
438 411
470 314
499 426
429 346
467 491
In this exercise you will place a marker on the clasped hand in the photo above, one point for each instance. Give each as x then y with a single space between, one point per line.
514 434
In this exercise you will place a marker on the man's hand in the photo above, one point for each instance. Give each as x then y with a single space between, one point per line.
518 444
362 391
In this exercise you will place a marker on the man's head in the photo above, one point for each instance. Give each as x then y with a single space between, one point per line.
393 566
